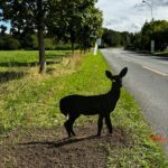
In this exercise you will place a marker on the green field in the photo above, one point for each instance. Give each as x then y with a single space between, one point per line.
29 100
23 92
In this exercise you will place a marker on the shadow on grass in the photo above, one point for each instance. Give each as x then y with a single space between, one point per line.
23 64
18 64
50 70
59 143
55 59
162 58
8 76
54 56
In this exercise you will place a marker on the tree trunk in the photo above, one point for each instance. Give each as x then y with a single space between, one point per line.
73 48
40 27
42 59
72 39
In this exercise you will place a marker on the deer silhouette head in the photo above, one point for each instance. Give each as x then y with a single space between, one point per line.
117 79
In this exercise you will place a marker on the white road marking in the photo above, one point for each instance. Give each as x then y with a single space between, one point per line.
155 71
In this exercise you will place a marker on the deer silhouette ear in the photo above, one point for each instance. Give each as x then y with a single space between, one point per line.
123 72
109 75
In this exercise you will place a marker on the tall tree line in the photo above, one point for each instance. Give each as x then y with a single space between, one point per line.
113 38
154 30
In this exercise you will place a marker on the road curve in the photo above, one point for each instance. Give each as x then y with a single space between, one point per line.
147 80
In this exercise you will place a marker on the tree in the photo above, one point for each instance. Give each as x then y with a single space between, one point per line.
111 38
125 38
32 15
78 22
7 42
154 30
157 31
91 28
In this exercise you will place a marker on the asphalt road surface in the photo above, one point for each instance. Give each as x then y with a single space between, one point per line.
147 81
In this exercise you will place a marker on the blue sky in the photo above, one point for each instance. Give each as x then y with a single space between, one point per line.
7 24
130 15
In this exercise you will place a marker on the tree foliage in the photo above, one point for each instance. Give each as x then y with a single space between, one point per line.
154 30
112 38
78 22
7 42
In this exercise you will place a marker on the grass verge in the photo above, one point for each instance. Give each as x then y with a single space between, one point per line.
31 100
162 54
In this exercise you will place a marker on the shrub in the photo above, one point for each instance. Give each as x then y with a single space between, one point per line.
49 44
9 43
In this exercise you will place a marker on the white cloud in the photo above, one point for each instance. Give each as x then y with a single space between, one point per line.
130 15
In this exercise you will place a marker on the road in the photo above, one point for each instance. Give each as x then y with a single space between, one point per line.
147 81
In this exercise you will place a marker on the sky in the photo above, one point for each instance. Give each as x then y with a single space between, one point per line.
130 15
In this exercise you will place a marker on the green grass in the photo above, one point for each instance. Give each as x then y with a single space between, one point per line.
30 100
141 151
162 54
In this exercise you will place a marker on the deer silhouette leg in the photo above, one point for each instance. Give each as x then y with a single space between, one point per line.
72 120
108 123
100 125
67 127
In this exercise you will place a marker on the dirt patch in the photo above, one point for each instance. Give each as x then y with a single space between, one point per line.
39 148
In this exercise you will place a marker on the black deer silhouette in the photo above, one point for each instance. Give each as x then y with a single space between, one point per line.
103 105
